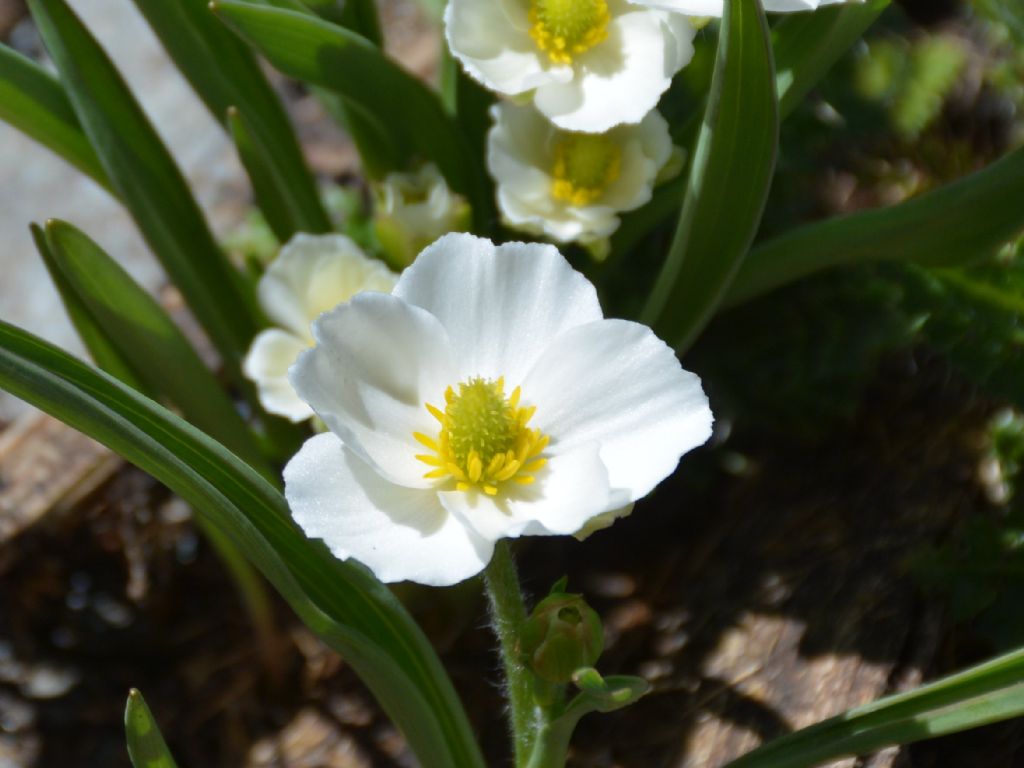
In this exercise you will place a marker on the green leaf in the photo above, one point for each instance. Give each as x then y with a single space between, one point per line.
335 58
956 224
33 101
100 347
730 175
985 694
807 45
342 602
146 745
149 183
225 74
137 327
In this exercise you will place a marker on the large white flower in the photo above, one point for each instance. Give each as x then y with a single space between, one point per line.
313 273
572 186
590 64
486 397
413 210
714 7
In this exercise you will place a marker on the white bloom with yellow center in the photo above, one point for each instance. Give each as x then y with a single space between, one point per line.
486 397
572 186
590 64
413 210
312 273
714 7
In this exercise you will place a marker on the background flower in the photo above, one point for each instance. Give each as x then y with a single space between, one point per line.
591 64
487 397
312 274
569 186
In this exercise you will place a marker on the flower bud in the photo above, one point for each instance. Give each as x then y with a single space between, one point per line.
561 635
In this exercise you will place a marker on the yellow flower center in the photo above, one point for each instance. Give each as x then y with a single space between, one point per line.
484 440
585 166
564 28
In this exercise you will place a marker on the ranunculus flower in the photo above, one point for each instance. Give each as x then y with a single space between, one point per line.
590 64
572 186
312 273
413 210
485 397
714 7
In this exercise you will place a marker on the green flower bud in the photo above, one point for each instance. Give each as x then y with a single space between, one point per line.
561 635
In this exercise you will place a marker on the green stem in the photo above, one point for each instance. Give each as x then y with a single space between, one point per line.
551 746
508 612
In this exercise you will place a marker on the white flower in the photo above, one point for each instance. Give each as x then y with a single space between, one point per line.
313 273
572 186
485 397
714 7
590 64
413 210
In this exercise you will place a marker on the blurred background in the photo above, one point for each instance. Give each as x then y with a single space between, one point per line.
854 529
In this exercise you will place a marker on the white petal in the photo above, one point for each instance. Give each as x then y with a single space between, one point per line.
570 490
615 383
377 361
272 352
495 49
314 273
620 80
500 305
399 533
714 7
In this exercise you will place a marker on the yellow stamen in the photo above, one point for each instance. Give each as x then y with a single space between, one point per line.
484 440
585 166
566 28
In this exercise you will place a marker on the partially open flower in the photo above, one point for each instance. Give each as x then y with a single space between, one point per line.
486 397
413 210
313 273
590 64
714 7
572 186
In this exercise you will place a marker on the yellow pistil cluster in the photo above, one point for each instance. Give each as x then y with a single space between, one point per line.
585 165
565 28
484 439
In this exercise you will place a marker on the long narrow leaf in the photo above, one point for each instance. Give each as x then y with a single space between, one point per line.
99 346
807 45
985 694
956 224
730 176
335 58
34 102
146 745
144 336
149 182
354 613
225 74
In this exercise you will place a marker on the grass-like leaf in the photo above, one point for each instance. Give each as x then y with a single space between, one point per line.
985 694
149 182
342 602
33 101
729 179
145 338
146 745
225 74
959 223
333 57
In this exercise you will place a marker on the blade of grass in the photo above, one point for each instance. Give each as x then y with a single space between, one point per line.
33 101
984 694
730 175
149 183
225 74
957 224
146 745
335 58
342 602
